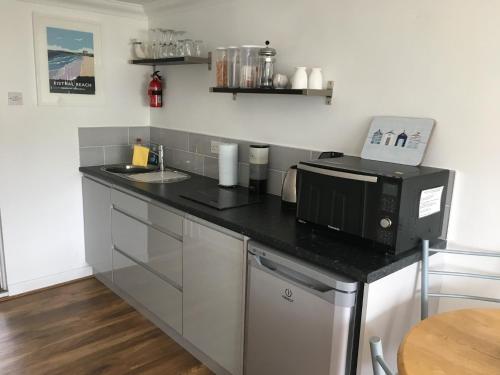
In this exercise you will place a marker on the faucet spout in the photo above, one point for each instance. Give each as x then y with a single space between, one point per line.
160 155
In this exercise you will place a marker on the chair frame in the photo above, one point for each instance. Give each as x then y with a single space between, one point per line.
380 367
424 304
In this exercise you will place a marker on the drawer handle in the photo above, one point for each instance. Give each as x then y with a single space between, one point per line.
149 224
148 268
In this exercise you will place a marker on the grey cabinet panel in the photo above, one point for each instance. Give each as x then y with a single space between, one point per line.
149 290
148 212
147 245
97 226
213 294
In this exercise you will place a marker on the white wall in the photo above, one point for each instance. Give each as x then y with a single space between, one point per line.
389 57
40 187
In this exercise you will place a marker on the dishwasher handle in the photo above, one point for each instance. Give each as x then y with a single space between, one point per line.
302 281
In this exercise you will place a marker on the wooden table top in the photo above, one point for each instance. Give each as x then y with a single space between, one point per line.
457 342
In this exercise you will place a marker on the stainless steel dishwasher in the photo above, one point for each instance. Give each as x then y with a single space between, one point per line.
299 318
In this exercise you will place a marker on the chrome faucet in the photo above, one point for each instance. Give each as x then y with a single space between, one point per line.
160 155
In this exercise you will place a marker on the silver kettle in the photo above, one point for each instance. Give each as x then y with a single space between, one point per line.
289 188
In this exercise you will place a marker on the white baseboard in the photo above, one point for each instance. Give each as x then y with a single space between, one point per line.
46 281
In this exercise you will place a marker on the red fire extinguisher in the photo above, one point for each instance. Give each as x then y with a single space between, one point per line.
155 91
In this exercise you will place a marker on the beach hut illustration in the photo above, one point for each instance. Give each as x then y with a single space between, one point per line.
377 137
388 138
414 140
401 140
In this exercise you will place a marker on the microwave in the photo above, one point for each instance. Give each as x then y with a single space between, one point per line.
390 206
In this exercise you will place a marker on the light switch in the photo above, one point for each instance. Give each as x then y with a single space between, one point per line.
15 98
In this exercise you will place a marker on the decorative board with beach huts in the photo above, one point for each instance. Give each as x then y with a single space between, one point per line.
398 139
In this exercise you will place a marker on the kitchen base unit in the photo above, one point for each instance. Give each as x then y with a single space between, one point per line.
300 319
184 266
97 226
184 274
214 291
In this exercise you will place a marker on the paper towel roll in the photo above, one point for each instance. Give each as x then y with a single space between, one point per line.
228 164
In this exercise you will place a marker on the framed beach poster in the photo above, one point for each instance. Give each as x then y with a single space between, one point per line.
68 61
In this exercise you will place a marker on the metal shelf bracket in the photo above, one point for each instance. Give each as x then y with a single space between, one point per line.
329 87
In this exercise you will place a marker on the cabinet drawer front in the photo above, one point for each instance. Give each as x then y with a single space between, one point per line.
150 213
214 294
149 290
157 250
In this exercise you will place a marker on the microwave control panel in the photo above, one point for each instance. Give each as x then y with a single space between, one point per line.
387 213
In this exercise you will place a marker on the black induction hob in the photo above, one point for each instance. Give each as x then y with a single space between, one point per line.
223 198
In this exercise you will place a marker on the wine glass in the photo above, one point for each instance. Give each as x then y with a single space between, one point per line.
154 41
189 47
199 48
170 49
179 49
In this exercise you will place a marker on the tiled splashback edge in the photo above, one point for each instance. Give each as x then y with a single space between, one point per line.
192 152
109 145
183 150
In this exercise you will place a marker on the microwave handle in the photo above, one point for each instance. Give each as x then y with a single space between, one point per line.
346 175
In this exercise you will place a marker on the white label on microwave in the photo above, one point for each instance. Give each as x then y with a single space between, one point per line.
430 201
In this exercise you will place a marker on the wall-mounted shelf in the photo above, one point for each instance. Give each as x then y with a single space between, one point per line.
327 93
185 60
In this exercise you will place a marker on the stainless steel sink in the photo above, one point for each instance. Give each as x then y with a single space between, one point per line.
129 169
159 177
149 174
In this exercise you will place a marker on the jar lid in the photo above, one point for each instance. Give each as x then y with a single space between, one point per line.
267 51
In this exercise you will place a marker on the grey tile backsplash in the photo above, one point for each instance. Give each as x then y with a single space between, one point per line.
183 150
105 136
109 145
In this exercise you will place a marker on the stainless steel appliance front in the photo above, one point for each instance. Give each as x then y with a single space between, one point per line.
299 318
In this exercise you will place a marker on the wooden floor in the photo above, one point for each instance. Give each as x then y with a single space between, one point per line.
84 328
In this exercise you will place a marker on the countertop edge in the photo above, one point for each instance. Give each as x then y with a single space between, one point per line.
410 258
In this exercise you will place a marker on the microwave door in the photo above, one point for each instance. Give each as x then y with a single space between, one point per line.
336 202
345 203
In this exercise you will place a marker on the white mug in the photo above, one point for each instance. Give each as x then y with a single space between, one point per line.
316 79
299 80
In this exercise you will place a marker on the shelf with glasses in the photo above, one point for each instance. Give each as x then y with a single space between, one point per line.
327 93
184 60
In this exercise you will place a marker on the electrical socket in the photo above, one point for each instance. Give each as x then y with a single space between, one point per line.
214 147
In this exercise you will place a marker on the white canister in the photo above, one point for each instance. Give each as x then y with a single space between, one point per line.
228 164
316 79
299 79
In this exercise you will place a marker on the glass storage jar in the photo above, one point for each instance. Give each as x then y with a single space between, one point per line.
221 67
248 66
233 67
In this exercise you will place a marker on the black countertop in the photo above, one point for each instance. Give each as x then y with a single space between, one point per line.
268 223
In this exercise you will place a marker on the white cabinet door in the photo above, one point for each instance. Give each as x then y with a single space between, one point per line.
214 293
97 226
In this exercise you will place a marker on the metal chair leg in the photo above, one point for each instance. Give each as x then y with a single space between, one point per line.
424 303
380 367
